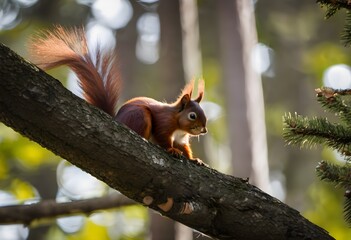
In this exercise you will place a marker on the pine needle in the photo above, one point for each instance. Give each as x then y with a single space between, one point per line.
303 131
336 174
332 7
346 33
347 210
336 101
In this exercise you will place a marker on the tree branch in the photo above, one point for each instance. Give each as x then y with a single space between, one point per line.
26 214
336 3
219 205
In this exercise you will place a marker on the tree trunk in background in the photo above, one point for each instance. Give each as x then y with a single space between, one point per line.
126 42
171 81
243 90
171 58
191 40
161 228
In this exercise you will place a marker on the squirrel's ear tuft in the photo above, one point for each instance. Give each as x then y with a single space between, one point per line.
188 89
200 90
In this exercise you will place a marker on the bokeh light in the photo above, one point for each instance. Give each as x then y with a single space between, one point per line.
77 184
13 231
112 13
262 59
69 224
148 1
85 2
9 14
337 76
212 110
26 3
100 35
147 49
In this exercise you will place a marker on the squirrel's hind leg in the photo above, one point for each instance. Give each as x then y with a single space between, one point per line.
137 118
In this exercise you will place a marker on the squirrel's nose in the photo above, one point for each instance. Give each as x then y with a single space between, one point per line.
204 130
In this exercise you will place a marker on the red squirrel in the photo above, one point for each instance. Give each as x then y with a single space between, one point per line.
169 125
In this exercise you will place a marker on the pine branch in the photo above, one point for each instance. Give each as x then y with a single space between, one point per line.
303 131
346 33
336 101
347 210
334 5
339 175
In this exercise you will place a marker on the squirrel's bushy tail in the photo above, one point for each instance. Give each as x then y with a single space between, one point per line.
98 71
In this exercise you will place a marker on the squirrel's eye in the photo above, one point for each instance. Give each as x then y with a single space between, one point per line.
192 116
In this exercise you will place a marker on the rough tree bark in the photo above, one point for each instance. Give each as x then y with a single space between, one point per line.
219 205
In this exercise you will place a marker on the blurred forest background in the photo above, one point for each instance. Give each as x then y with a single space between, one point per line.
161 45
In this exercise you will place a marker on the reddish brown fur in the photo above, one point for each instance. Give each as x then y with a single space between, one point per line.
168 125
101 87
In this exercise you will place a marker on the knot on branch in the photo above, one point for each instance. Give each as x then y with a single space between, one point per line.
171 205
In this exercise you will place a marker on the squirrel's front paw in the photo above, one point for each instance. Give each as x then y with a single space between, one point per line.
175 152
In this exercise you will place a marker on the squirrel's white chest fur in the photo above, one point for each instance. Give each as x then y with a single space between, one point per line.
181 137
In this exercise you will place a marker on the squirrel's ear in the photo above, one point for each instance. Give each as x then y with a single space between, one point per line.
199 98
184 100
188 89
200 90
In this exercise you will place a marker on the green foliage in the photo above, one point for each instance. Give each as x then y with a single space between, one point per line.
346 33
334 173
22 190
339 176
327 210
332 8
17 150
17 154
305 131
347 208
310 132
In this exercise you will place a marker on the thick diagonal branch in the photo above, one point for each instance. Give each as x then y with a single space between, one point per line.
222 206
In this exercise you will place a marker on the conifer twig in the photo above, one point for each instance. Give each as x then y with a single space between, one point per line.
335 101
339 175
303 131
335 4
